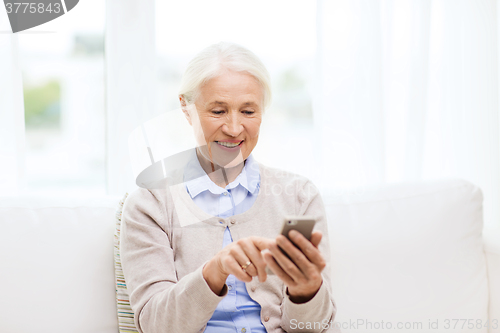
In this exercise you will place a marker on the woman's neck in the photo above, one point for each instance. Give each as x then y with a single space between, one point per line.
219 175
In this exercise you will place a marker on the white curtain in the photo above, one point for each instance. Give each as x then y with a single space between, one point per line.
408 90
12 140
130 84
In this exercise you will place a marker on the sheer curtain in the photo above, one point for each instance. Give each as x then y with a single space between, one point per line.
11 112
130 84
408 90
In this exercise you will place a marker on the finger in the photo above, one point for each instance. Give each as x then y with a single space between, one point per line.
311 252
242 259
233 267
253 253
297 257
316 237
262 243
287 265
250 268
276 269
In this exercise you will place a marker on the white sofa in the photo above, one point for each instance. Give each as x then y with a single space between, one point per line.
411 256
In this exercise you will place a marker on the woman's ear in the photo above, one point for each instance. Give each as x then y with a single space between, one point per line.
185 109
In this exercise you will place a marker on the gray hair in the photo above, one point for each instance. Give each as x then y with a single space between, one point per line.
209 63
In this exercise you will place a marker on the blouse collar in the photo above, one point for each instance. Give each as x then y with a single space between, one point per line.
197 180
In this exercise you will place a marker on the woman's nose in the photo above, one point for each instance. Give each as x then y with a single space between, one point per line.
232 126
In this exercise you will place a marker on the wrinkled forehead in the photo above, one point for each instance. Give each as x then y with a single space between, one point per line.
230 88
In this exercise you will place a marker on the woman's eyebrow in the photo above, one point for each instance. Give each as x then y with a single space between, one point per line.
224 103
249 104
216 103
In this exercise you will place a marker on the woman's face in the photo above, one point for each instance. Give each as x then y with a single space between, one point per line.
226 118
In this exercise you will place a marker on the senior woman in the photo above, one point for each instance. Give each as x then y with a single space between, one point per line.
206 256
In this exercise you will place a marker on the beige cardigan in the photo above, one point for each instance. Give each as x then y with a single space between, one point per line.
166 239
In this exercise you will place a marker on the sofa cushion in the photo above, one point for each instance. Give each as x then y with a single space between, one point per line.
125 313
410 254
57 265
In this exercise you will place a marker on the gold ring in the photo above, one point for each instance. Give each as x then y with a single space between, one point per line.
248 263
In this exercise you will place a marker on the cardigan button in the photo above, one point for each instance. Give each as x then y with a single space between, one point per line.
233 221
266 318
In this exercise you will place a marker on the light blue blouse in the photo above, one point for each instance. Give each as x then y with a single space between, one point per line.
237 312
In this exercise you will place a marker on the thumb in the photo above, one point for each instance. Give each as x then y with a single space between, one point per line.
316 237
263 243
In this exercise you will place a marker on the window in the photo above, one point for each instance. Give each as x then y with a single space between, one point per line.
62 66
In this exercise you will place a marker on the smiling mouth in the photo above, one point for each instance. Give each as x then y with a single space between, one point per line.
229 144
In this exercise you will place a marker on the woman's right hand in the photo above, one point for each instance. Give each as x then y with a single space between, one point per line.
231 258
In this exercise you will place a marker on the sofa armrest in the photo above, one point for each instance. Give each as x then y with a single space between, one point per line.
492 250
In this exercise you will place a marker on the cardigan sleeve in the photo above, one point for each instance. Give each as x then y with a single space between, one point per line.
316 315
160 302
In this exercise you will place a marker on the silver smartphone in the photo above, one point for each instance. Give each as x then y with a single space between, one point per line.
303 224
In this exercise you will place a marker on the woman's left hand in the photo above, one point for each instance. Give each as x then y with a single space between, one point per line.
302 276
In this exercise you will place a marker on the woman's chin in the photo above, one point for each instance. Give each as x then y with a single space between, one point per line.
227 161
235 162
227 158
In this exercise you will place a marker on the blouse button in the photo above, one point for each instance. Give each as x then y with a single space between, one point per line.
221 222
266 318
233 221
252 289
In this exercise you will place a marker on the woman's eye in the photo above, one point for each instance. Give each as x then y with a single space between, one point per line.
217 111
248 112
